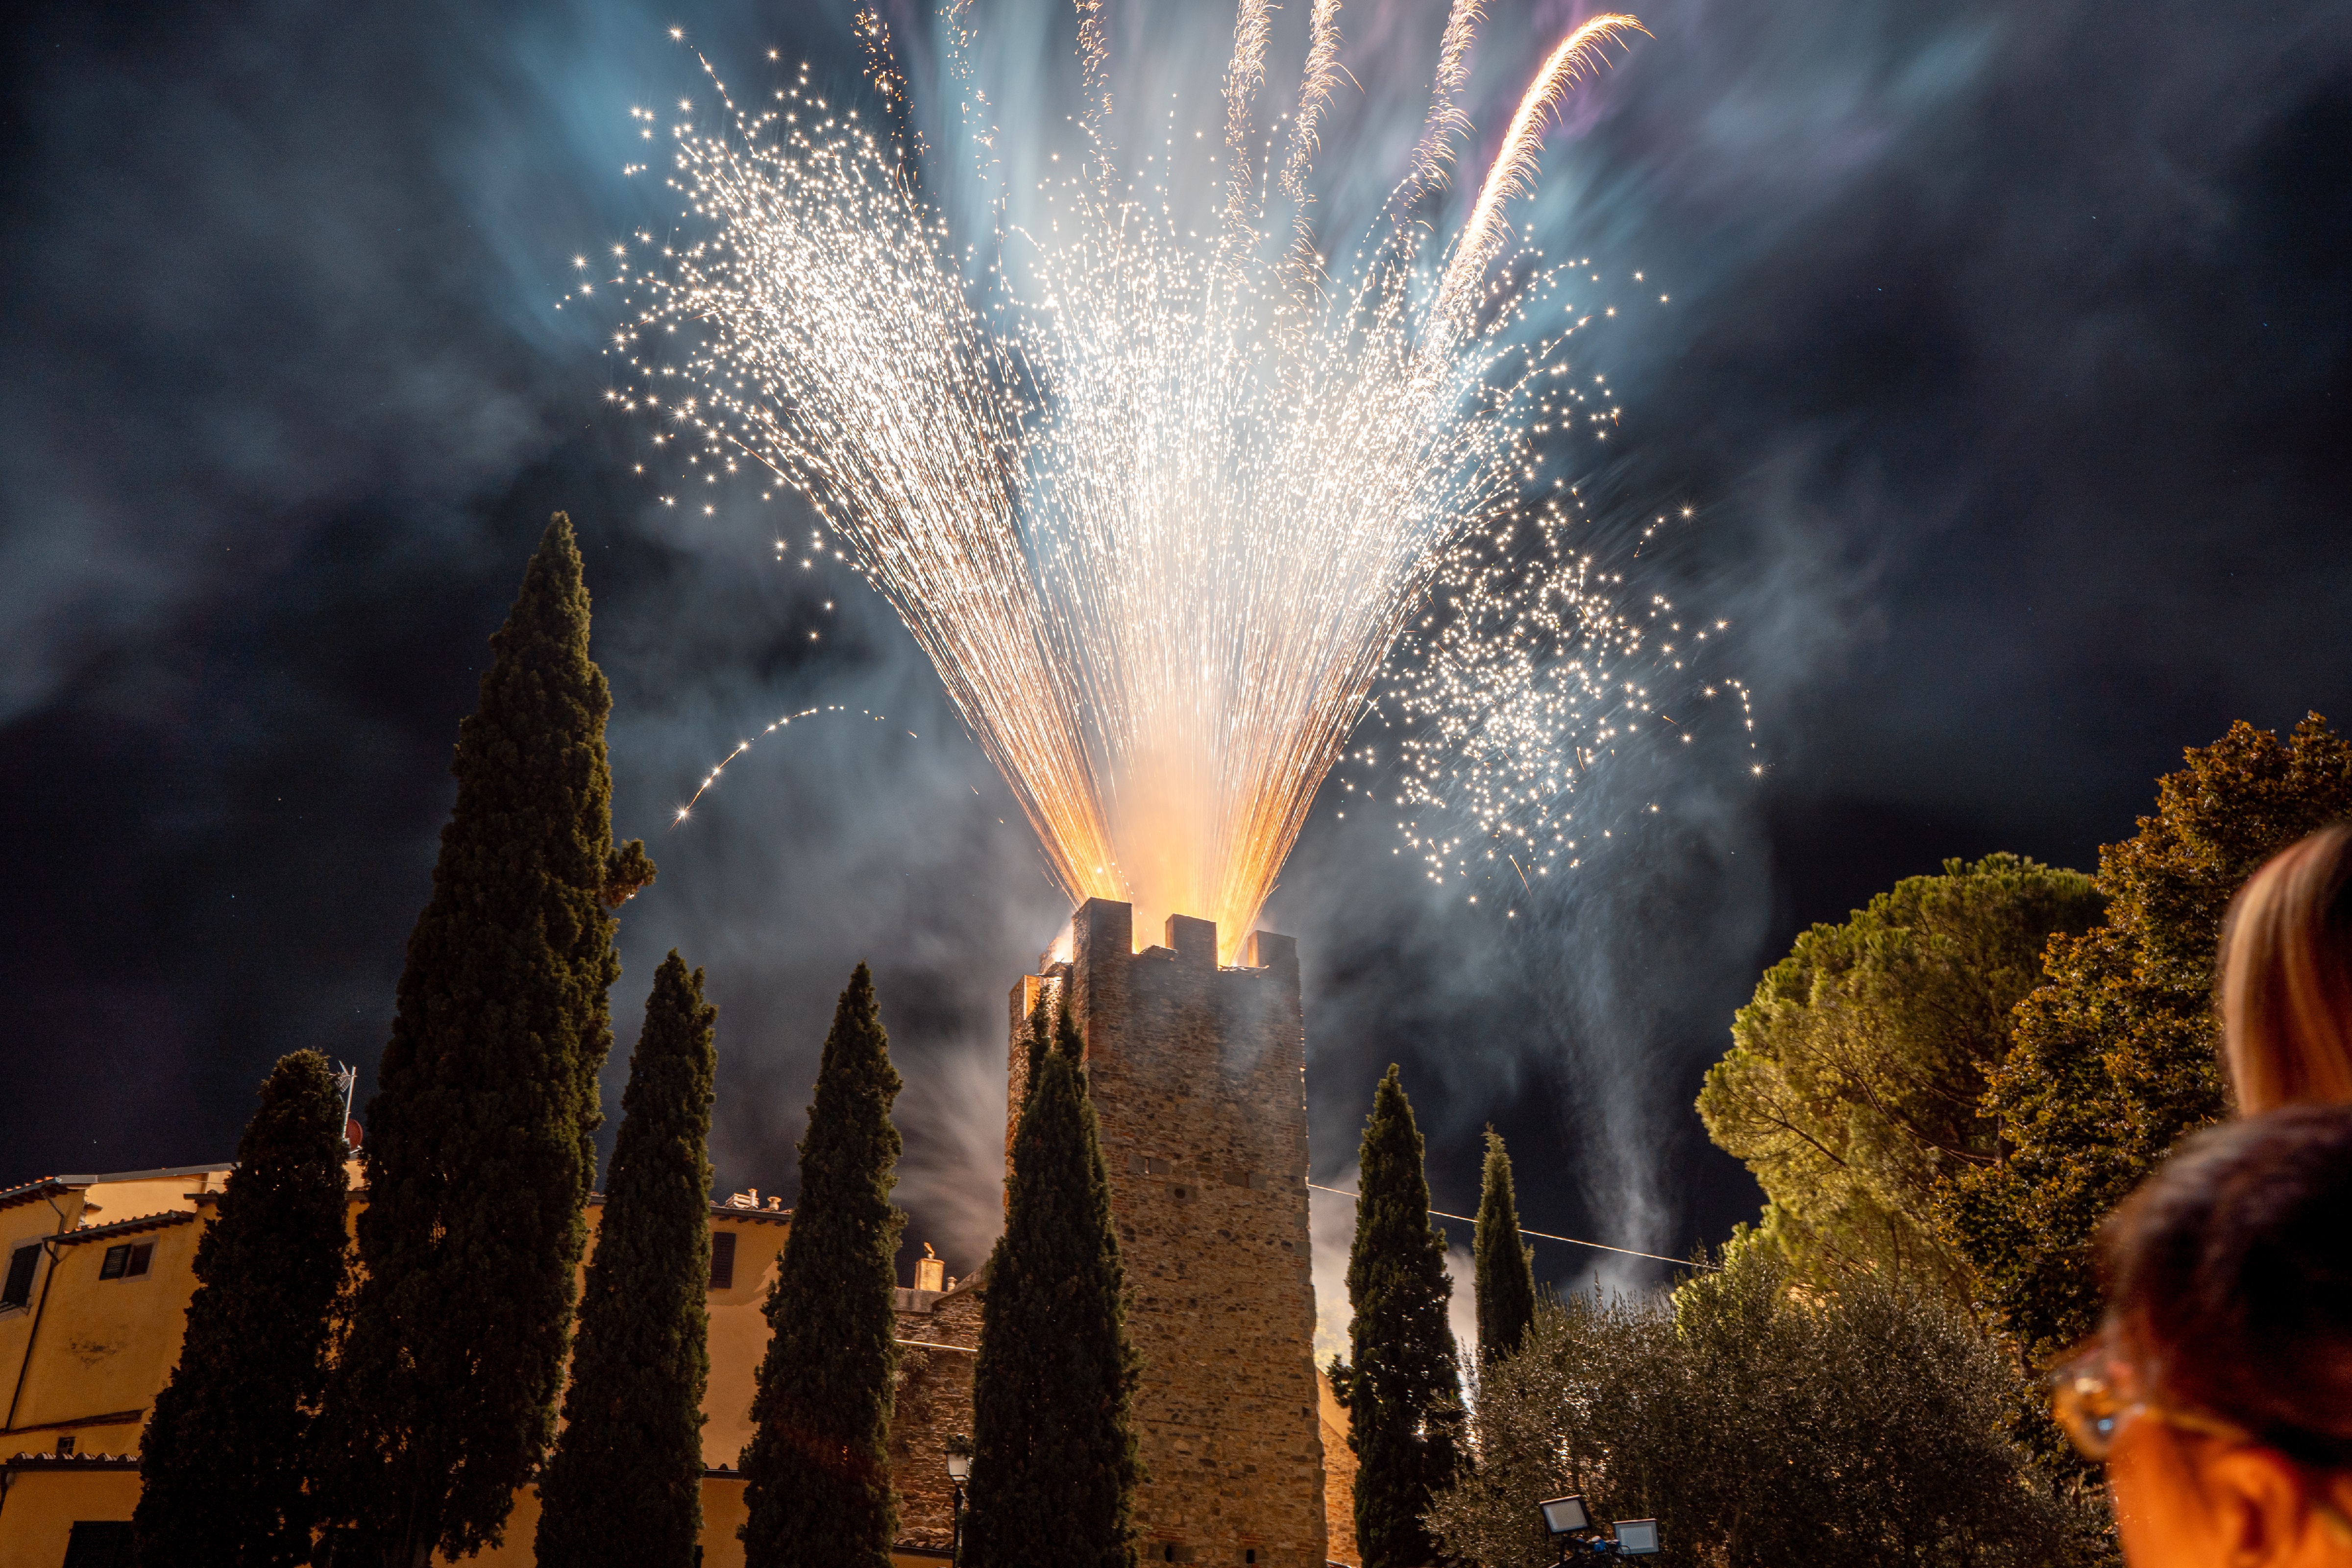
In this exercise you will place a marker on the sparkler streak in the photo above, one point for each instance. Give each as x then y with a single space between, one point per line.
1432 156
1514 170
1161 508
743 746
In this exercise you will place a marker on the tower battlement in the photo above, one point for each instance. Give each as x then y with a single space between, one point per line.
1198 1076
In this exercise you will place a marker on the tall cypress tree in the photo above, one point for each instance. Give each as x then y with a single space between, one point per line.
1053 1467
1404 1396
624 1485
481 1148
1506 1274
221 1463
817 1470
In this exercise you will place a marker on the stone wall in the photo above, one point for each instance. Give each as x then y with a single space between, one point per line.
933 1403
1198 1076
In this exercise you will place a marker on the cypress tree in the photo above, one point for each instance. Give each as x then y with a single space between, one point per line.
1053 1467
1506 1274
624 1485
1403 1396
481 1148
817 1470
221 1463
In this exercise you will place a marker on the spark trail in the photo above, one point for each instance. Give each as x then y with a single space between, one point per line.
1161 497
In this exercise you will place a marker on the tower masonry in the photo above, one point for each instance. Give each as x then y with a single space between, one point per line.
1198 1078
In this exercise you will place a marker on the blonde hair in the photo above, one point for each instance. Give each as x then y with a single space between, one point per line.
2286 977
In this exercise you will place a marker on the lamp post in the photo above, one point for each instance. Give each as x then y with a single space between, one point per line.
959 1472
1566 1520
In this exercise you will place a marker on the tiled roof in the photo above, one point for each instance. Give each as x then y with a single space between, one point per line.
49 1186
29 1461
164 1220
46 1187
724 1211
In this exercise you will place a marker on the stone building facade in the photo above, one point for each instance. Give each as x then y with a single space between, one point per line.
1198 1077
939 1336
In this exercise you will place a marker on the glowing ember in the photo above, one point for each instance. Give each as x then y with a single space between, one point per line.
1159 502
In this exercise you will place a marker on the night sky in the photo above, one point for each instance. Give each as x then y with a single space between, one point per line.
2008 373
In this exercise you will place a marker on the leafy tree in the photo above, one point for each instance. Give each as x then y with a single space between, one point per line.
1852 1088
1053 1475
220 1465
2117 1055
1505 1278
1403 1394
817 1471
481 1149
624 1487
1762 1424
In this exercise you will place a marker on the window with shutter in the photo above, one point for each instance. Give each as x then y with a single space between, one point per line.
723 1260
141 1254
111 1266
18 1291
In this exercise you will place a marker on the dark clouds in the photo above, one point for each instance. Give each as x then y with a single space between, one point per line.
2007 367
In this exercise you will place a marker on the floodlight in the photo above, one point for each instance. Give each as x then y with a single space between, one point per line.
1565 1516
1636 1537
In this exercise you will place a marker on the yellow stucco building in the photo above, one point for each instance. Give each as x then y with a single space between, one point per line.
99 1271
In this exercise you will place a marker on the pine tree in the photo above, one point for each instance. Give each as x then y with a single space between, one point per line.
1404 1396
2116 1058
1854 1085
221 1463
624 1485
480 1151
1506 1274
817 1471
1054 1469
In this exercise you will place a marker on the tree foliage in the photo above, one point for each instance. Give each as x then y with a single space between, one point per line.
1855 1082
221 1472
624 1487
1505 1274
817 1470
480 1152
1054 1466
1761 1422
1402 1388
2117 1057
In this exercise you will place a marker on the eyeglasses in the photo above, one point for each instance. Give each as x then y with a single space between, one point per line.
2086 1403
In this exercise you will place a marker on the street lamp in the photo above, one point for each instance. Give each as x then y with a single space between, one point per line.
960 1471
1636 1537
1565 1518
1565 1515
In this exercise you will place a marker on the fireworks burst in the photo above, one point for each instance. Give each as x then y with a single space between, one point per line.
1160 497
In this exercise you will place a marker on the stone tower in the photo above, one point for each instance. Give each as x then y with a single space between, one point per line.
1198 1076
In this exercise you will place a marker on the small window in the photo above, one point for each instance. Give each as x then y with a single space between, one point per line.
127 1261
723 1260
18 1291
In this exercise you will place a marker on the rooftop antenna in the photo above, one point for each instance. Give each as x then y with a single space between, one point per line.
347 1078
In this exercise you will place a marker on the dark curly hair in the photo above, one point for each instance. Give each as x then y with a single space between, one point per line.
2229 1279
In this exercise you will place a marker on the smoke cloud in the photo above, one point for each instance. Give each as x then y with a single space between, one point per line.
2005 370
